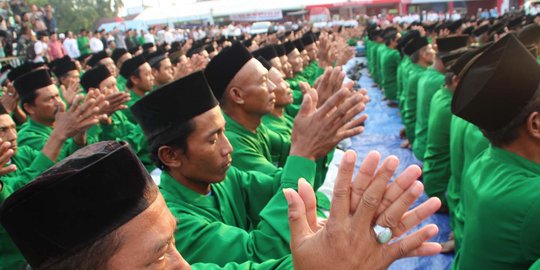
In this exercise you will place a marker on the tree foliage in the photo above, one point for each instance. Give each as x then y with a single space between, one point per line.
76 14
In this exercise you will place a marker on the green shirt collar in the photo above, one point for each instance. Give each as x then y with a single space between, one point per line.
172 189
514 159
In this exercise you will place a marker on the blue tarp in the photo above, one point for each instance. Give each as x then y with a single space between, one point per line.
382 134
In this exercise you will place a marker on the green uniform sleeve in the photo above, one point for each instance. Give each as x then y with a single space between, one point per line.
39 165
284 263
269 239
530 238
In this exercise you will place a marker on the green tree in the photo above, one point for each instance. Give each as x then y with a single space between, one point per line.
76 14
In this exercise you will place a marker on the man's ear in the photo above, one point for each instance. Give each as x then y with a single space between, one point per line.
236 95
533 125
170 157
28 108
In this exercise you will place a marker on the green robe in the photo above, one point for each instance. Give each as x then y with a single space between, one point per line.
437 157
243 219
266 151
431 81
381 52
390 63
502 209
281 125
35 135
30 163
127 112
284 263
402 72
466 143
84 45
121 83
122 129
409 98
375 75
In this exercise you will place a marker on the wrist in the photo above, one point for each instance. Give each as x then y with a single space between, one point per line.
58 135
297 150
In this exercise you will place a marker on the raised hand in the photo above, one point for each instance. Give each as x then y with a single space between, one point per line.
70 92
10 98
5 156
348 241
317 131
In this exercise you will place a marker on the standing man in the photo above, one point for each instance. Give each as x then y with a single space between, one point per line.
70 46
41 47
96 45
83 43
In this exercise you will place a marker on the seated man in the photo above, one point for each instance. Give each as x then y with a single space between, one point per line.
28 163
115 126
80 229
246 95
139 80
42 103
500 201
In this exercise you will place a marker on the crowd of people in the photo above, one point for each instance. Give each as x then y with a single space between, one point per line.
144 151
467 93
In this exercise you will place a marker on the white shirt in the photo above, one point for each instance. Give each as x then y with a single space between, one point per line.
169 38
149 38
70 45
40 49
96 45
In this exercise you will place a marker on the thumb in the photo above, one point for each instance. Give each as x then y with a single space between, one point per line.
306 107
298 222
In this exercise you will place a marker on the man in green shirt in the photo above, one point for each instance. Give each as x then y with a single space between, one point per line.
403 68
116 126
27 163
501 206
83 43
422 56
102 58
431 81
138 233
139 81
466 142
390 62
119 56
162 68
277 120
41 101
246 97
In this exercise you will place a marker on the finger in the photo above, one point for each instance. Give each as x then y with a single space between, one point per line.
76 103
298 223
402 182
8 169
407 245
346 110
426 249
369 203
418 214
342 188
308 196
6 156
306 107
391 217
331 103
364 177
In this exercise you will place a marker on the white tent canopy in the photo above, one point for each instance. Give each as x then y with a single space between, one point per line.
204 10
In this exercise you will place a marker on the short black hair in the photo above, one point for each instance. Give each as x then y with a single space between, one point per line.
29 98
136 73
178 142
